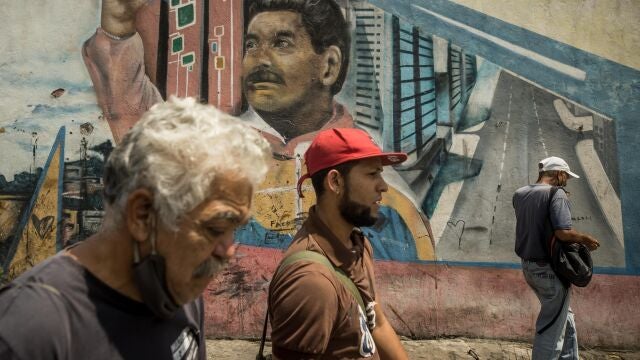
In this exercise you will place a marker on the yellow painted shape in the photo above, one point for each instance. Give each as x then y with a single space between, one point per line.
608 28
38 239
275 198
9 215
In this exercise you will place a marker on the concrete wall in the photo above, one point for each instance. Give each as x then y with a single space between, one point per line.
452 274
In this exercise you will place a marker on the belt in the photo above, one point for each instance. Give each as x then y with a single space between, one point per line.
537 261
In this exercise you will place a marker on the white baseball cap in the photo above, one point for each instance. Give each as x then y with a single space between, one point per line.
555 163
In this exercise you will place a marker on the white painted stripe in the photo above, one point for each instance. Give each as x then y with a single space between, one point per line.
548 62
540 136
504 153
601 187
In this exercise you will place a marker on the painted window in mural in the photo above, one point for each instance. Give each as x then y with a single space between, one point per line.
367 45
416 121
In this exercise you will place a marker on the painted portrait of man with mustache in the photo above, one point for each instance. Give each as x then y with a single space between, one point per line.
296 58
294 63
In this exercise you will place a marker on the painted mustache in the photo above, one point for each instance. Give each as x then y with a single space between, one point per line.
263 75
209 267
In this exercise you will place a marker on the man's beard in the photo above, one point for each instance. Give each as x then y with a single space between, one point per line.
355 213
209 267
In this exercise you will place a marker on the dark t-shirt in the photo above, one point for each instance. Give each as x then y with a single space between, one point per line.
531 204
59 310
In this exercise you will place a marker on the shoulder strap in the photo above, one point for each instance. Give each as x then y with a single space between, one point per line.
552 193
548 243
321 259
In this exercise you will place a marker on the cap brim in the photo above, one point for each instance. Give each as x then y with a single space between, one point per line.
387 158
572 175
393 158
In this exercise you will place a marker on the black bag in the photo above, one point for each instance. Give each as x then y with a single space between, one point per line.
570 261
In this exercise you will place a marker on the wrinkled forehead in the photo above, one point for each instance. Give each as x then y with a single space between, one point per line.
232 189
226 193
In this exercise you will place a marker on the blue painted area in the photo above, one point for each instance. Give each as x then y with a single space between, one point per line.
390 237
38 81
26 215
254 234
59 225
483 91
455 168
54 110
609 88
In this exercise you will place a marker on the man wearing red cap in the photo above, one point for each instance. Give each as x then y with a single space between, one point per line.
322 299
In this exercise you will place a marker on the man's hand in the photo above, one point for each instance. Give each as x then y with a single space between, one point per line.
571 235
591 243
119 16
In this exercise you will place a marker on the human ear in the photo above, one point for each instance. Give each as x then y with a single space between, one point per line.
139 214
333 181
332 63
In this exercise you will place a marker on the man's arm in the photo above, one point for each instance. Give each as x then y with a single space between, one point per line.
387 341
114 58
561 222
570 235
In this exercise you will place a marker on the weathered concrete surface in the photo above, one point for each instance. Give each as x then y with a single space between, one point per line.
433 300
459 348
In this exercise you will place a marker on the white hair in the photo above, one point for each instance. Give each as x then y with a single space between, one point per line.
176 150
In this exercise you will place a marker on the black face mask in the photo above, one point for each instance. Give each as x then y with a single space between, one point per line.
149 275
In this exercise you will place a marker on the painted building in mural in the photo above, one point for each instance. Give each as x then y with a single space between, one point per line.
475 95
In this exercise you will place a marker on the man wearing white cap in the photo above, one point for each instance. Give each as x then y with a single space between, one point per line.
538 218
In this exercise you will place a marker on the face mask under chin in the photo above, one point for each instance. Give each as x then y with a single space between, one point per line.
150 277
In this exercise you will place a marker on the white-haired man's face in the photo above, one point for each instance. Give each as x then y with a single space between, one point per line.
204 241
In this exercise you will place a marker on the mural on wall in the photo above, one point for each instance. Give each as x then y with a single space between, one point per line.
474 111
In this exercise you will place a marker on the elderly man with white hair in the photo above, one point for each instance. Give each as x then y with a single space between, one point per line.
176 188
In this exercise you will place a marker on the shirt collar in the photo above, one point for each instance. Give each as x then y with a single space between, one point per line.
340 118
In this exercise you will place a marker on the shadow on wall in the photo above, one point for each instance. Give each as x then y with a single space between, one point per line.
454 168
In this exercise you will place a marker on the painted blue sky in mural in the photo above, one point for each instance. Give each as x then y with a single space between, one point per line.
36 62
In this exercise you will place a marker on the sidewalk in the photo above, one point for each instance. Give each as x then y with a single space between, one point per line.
454 348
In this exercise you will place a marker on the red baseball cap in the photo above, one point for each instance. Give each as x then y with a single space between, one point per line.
332 147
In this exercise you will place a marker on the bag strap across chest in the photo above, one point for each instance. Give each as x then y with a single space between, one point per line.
315 257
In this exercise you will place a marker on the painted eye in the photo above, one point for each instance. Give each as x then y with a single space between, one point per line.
282 44
250 45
